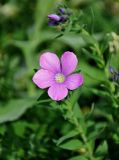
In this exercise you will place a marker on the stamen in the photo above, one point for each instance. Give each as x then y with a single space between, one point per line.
59 78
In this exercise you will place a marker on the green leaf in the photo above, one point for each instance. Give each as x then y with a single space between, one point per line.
100 93
95 131
89 55
69 135
78 158
77 111
2 129
73 144
58 36
74 97
102 149
90 74
14 109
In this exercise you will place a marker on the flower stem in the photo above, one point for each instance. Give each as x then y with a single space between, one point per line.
70 116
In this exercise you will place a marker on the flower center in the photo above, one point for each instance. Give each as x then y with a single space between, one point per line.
59 78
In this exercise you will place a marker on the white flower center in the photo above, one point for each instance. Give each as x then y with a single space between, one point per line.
59 78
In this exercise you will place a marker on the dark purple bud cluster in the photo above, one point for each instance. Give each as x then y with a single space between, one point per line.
115 74
54 19
61 17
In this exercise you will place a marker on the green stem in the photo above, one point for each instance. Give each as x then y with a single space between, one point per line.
69 115
81 132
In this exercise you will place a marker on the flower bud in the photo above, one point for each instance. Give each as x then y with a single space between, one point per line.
54 17
111 70
62 10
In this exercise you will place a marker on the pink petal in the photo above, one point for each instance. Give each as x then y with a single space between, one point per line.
50 61
74 81
43 78
57 92
69 62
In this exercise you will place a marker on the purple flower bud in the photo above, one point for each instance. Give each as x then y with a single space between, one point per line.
64 18
52 23
116 77
54 17
62 10
111 70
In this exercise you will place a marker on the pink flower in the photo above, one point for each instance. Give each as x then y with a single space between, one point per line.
56 75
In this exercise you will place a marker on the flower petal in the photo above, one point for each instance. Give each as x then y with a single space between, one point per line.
74 81
69 62
43 78
50 61
54 17
57 92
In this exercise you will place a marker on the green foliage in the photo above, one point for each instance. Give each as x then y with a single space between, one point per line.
102 150
67 136
14 109
74 144
84 126
78 158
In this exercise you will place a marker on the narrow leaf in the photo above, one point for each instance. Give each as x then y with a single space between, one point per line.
74 144
69 135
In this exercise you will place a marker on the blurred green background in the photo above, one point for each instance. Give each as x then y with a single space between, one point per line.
27 130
